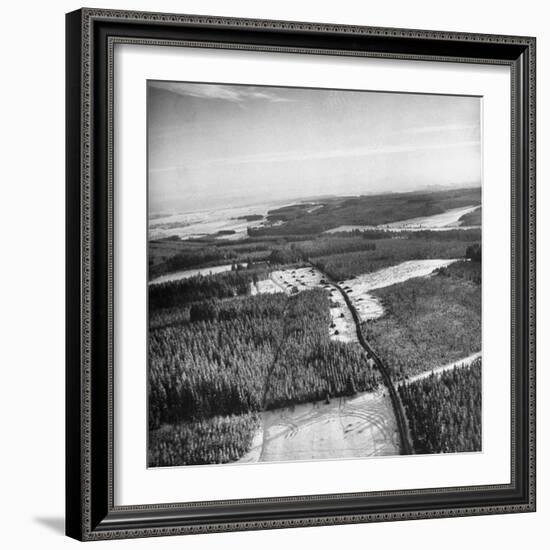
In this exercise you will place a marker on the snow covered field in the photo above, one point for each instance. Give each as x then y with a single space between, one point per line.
208 222
233 222
439 222
188 273
359 287
347 427
267 286
203 223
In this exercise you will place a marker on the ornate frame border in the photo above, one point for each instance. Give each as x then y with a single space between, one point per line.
91 36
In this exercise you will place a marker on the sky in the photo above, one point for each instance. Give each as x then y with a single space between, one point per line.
220 145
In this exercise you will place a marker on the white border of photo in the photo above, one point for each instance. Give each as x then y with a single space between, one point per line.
134 483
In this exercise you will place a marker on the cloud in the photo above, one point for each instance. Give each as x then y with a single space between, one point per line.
232 93
442 128
333 154
352 152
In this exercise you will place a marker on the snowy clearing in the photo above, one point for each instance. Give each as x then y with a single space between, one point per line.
188 273
347 427
465 362
358 288
438 222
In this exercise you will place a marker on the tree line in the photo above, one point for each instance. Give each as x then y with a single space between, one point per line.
444 411
214 440
388 252
182 292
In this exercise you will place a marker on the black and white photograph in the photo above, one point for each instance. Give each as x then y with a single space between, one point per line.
314 274
271 275
300 275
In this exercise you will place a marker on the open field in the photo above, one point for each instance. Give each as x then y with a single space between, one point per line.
389 252
188 273
266 286
369 306
453 218
232 222
297 279
347 427
448 219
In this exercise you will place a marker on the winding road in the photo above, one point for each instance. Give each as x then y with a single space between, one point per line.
367 424
402 426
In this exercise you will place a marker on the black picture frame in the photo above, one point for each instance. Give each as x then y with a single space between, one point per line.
90 510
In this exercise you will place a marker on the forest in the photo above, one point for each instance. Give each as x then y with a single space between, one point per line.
343 255
393 250
220 356
202 287
472 218
245 355
301 235
302 219
470 271
215 440
444 410
435 320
